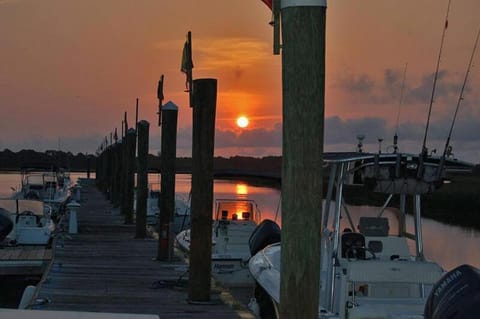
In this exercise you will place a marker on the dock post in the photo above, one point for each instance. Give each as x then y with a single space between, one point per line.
117 171
167 187
303 73
142 180
127 208
204 107
88 166
72 207
108 172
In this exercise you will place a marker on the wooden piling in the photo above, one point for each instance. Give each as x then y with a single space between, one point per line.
303 59
167 190
117 172
127 208
142 180
204 107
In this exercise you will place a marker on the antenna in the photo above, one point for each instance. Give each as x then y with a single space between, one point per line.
395 137
424 147
447 151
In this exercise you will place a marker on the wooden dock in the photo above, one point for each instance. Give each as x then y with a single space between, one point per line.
24 261
104 269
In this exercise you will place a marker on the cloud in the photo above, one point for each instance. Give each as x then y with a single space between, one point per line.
237 53
361 83
340 135
388 89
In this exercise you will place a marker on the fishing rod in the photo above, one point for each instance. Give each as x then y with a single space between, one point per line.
460 99
424 148
395 137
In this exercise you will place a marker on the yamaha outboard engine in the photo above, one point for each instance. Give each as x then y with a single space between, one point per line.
6 224
266 233
456 295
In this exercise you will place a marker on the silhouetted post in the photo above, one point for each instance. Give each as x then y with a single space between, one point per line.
123 173
303 59
167 189
117 173
142 180
204 106
109 171
127 208
88 166
105 172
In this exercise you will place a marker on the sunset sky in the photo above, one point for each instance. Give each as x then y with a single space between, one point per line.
70 68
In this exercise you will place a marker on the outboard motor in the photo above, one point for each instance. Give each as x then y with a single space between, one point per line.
6 224
456 295
266 233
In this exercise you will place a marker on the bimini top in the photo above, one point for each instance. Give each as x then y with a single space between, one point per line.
396 173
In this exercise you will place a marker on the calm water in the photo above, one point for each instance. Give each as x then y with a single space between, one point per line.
448 245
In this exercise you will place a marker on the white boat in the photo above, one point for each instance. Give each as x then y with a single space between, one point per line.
50 186
30 222
234 222
367 268
181 216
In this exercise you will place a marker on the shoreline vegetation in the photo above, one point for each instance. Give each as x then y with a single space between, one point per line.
456 203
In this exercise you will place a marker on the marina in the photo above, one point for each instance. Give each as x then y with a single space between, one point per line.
104 268
320 227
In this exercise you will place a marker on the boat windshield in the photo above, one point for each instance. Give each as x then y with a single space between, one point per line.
235 210
24 205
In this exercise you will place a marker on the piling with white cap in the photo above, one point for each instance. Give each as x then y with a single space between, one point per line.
72 208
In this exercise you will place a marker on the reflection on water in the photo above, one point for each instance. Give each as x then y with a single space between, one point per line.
241 189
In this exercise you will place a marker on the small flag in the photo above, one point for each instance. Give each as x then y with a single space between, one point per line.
268 3
160 89
187 63
187 66
160 99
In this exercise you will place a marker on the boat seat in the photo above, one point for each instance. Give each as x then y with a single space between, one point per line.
224 214
374 226
351 240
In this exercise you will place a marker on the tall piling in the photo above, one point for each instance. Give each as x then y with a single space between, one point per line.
303 73
204 108
129 162
167 187
117 174
142 180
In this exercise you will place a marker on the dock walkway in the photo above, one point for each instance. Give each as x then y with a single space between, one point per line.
104 269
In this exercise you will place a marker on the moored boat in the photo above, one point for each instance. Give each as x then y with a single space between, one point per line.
234 222
31 222
26 233
367 267
50 185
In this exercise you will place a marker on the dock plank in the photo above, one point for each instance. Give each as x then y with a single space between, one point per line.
104 269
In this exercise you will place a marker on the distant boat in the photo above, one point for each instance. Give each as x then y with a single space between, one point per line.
50 185
366 269
181 217
235 220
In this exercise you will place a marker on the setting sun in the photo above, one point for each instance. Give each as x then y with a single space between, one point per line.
242 121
